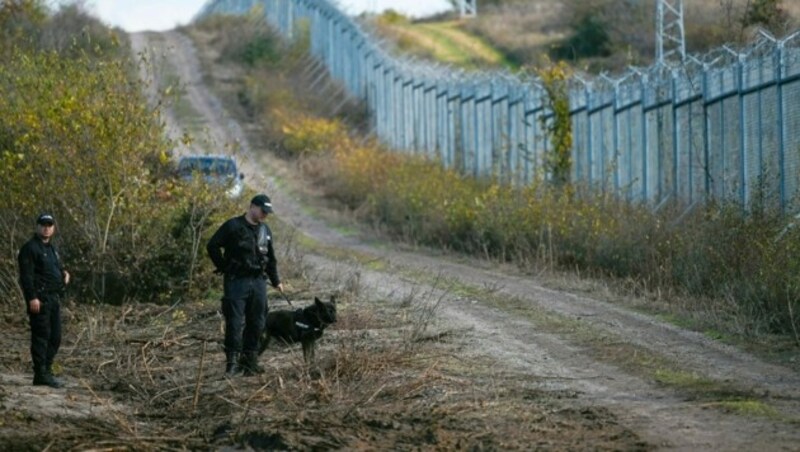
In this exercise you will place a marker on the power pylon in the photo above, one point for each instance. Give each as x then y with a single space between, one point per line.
670 36
468 8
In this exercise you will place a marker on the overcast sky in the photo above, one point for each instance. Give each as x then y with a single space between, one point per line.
139 15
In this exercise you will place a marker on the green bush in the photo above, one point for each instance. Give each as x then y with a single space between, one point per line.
392 17
590 38
250 41
261 50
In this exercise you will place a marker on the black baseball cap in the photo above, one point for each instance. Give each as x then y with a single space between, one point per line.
263 202
45 218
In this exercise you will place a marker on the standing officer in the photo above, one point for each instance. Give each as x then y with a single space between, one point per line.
43 280
248 260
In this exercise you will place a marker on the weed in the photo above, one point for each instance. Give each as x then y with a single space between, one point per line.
748 408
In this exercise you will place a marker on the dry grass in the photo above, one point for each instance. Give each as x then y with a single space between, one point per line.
155 377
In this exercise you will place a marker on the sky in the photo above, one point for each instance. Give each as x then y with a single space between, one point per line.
158 15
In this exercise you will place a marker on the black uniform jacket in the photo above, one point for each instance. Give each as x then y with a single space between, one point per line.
40 269
242 257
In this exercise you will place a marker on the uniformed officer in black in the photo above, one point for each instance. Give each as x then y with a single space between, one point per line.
43 280
247 262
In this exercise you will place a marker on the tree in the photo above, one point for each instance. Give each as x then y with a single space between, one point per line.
590 38
768 14
21 23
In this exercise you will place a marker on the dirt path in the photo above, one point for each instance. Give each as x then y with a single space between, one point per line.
510 333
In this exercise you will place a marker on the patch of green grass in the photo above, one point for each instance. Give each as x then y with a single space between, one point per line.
377 265
212 296
674 319
689 324
714 334
748 407
307 242
347 231
447 42
461 47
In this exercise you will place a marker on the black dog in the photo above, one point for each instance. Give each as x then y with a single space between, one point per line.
303 325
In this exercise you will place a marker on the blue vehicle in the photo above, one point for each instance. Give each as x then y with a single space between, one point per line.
214 169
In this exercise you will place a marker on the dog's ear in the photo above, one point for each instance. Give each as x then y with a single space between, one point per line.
318 302
333 299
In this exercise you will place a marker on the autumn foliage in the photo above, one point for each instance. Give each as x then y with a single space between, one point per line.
78 139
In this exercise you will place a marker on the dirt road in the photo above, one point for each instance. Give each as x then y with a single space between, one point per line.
508 319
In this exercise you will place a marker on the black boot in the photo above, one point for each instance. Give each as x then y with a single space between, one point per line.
42 378
49 370
232 364
250 364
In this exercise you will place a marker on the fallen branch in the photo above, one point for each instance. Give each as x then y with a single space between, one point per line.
199 379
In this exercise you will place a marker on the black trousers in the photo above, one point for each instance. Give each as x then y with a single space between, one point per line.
45 331
244 305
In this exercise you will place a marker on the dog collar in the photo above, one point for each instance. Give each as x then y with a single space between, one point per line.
303 325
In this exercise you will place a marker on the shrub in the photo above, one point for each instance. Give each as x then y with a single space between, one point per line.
590 38
71 31
305 134
21 23
79 140
262 49
392 17
768 14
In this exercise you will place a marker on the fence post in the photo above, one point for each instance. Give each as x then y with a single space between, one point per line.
780 64
706 135
615 132
744 189
675 145
408 111
484 146
400 109
450 130
591 161
468 126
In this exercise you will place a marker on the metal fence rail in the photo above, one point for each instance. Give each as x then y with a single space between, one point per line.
725 126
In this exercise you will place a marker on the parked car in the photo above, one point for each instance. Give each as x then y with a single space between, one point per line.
214 169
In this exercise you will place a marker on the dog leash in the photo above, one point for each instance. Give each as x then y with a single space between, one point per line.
285 297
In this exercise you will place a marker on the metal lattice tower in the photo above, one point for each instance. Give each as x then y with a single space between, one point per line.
468 8
670 37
